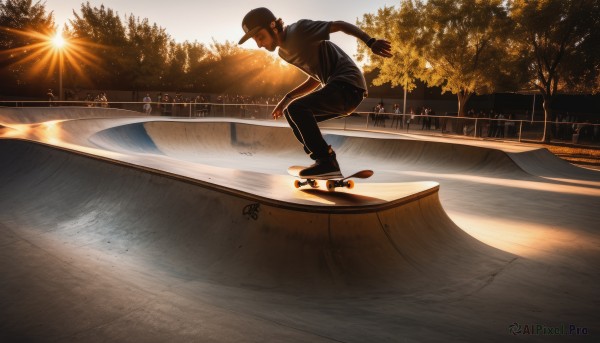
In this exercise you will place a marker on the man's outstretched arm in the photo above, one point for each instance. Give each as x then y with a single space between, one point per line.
306 87
379 47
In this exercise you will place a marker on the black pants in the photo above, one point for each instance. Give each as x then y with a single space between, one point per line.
335 100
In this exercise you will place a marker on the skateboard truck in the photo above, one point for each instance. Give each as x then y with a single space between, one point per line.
333 184
310 182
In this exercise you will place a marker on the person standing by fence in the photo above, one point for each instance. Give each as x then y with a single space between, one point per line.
50 96
147 104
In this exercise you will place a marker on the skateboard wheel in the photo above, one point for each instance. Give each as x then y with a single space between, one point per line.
350 184
297 183
313 183
330 185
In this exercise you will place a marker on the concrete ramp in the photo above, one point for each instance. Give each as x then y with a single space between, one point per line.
91 247
196 232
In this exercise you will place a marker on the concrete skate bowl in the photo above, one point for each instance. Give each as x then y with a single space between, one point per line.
271 149
95 249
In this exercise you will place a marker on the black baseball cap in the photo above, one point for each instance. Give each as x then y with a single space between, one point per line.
255 20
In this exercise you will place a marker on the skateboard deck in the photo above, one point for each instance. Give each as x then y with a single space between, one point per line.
331 183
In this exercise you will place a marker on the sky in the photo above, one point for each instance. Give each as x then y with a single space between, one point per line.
204 20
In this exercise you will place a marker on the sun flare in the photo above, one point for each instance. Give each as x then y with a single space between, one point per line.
48 51
58 41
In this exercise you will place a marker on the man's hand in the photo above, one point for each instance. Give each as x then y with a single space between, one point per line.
382 48
282 105
277 112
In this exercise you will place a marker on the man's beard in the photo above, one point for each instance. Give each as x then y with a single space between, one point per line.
273 40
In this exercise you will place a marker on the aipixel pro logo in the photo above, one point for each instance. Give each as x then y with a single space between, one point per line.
517 329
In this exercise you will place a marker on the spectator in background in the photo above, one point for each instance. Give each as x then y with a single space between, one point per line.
103 100
50 97
199 106
378 115
381 115
89 100
511 128
375 113
425 119
443 123
166 104
410 118
493 125
397 117
97 100
177 105
159 98
501 125
147 104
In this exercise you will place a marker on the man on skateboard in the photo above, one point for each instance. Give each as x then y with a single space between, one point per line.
306 45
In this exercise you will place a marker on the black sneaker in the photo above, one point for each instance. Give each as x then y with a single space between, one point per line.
324 168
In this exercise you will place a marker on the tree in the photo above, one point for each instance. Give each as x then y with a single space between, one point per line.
404 66
176 66
116 54
197 54
25 28
457 45
235 70
146 53
463 42
106 39
557 43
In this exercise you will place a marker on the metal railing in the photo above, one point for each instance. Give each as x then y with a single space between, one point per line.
481 128
478 128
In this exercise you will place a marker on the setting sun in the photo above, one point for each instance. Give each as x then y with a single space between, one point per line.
58 41
50 52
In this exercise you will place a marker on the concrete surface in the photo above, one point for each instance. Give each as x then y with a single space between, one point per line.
121 228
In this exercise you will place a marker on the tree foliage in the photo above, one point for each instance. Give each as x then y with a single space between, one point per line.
147 48
471 47
23 28
404 68
456 45
107 39
232 69
140 55
558 47
463 42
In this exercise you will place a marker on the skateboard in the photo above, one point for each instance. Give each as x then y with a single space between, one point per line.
331 183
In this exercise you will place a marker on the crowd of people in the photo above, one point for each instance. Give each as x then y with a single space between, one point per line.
202 105
422 115
567 125
489 124
99 100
